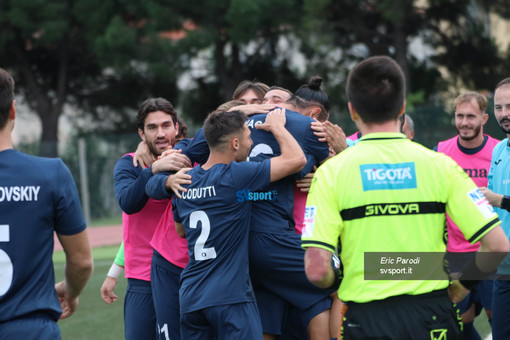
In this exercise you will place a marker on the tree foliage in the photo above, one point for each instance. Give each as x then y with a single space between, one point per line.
93 55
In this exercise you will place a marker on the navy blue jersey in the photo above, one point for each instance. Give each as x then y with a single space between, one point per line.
37 197
217 227
276 214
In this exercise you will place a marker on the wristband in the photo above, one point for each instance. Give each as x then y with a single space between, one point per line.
115 271
505 203
337 270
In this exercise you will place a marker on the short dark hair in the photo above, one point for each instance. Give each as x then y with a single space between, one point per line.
259 88
6 96
221 124
505 81
152 105
314 93
376 89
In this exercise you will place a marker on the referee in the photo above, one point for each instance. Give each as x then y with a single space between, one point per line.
388 194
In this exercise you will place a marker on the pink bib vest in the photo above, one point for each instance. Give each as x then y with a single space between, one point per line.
477 167
137 231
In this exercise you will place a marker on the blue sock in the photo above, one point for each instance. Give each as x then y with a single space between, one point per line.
469 332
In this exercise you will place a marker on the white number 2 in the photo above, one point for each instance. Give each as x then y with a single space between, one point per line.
202 253
6 269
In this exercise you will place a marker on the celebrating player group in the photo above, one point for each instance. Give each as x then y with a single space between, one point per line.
270 224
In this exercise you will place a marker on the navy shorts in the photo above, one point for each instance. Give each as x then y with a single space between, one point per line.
281 318
139 313
236 321
295 327
272 309
480 296
277 263
37 326
165 278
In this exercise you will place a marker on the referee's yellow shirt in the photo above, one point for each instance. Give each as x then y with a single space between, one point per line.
388 194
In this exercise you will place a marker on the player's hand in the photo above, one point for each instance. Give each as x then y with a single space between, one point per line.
275 120
67 303
174 182
171 160
143 156
457 292
305 183
331 134
253 109
107 290
168 152
493 198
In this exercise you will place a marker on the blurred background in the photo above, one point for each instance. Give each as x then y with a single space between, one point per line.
82 67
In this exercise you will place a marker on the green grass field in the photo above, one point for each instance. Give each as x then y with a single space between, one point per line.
94 319
482 325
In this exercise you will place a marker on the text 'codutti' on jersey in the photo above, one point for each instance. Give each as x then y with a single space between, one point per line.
217 226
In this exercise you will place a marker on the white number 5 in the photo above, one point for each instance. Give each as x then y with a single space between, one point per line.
5 262
202 253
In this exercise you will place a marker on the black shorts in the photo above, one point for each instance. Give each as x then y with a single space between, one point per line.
431 316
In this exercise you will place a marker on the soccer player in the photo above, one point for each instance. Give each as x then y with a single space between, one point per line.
335 137
276 258
472 150
216 296
384 195
497 192
158 128
37 198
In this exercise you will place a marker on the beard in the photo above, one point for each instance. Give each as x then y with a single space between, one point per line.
501 122
476 132
154 149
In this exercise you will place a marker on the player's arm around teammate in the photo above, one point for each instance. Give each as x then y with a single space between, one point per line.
292 158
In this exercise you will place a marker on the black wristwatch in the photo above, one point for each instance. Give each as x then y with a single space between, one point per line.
505 203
